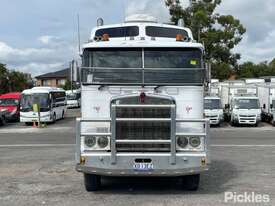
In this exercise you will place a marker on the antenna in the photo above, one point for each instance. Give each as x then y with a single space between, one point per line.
78 31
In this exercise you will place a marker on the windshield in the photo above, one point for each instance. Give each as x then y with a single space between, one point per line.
212 104
160 66
29 99
9 102
71 96
246 104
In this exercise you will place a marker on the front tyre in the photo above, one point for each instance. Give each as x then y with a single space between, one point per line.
92 182
191 182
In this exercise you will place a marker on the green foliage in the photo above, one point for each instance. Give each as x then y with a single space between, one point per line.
251 70
12 81
219 33
68 85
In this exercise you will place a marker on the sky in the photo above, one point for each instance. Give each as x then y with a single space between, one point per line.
40 36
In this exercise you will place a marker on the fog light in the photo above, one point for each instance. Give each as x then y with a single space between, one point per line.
102 142
195 141
90 141
182 142
82 160
203 161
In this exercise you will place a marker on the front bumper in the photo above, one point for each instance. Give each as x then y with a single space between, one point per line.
186 163
248 120
32 119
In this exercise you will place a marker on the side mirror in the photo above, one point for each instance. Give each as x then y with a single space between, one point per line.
227 106
271 106
264 106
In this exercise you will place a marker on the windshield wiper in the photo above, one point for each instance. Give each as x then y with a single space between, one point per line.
101 87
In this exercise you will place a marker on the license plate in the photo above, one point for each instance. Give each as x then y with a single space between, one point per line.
143 166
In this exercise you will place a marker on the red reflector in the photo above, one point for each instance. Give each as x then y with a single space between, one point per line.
142 97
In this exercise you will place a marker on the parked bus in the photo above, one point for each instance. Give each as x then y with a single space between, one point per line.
142 104
51 101
73 98
11 102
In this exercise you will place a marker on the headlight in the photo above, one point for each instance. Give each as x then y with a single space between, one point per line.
95 143
102 142
195 141
182 142
90 141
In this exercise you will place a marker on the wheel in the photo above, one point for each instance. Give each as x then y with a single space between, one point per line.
3 121
191 182
63 115
54 117
92 182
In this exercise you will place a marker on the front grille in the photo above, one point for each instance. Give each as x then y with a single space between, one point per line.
143 130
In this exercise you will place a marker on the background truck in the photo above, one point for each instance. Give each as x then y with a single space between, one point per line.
213 110
230 91
266 96
245 110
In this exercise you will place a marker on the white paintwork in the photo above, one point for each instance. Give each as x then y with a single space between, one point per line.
71 103
44 116
266 96
214 115
96 104
237 113
253 80
229 91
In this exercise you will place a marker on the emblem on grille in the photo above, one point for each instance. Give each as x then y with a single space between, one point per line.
97 109
142 97
188 109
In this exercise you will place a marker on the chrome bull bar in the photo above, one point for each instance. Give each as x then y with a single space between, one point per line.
113 120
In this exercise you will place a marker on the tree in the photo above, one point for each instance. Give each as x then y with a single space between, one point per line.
4 81
12 81
219 33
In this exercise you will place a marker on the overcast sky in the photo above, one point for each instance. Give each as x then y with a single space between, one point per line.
39 36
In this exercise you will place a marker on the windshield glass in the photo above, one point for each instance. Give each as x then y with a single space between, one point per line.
160 66
212 104
247 104
71 96
29 99
9 102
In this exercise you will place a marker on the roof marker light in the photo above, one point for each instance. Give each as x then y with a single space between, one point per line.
179 37
105 37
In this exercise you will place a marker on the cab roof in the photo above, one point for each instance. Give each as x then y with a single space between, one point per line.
13 95
142 40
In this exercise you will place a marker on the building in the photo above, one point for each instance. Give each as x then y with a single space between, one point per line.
53 79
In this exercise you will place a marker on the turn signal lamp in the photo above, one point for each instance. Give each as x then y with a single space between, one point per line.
105 37
179 37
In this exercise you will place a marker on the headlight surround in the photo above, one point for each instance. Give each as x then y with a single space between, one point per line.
182 142
192 143
95 143
195 141
90 141
102 142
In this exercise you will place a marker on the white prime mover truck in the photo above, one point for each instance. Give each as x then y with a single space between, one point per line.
241 104
267 101
142 89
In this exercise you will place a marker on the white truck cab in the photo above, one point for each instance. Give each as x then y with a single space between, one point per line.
142 89
213 110
245 110
73 98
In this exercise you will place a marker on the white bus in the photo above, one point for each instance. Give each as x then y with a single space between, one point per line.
51 101
142 104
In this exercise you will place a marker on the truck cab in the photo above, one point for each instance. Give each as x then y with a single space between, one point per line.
142 90
213 110
11 103
245 110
